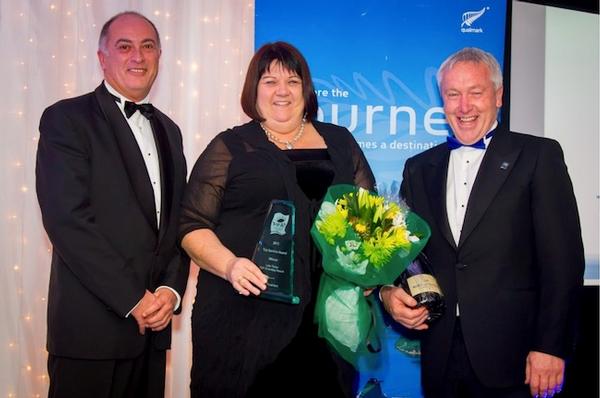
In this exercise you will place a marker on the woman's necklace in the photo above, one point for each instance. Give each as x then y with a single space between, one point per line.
288 144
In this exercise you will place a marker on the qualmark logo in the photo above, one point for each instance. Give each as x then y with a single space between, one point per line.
278 224
469 17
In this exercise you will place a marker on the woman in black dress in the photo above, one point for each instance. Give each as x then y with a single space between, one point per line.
244 346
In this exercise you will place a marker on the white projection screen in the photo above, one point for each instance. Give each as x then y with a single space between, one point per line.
555 93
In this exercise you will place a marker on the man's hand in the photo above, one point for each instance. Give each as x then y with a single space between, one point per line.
401 306
544 374
137 313
160 312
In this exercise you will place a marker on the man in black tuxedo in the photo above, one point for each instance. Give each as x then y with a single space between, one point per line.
505 247
110 175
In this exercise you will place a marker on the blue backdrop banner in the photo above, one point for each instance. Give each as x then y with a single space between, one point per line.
373 65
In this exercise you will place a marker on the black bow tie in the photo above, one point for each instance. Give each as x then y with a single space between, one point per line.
147 110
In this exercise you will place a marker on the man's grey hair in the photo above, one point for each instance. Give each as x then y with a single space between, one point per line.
107 24
476 55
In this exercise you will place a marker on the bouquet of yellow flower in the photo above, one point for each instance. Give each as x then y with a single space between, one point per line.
365 241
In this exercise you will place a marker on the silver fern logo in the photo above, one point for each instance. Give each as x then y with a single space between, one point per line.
469 17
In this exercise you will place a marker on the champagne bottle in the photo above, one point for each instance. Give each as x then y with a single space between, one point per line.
418 281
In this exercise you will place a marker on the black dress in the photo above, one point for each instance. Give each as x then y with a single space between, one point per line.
245 346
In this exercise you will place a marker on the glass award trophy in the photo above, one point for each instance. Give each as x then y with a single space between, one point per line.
274 252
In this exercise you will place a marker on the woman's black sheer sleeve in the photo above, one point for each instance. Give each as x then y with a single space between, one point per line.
363 175
204 192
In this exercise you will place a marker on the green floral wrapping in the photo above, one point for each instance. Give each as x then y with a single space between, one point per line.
365 242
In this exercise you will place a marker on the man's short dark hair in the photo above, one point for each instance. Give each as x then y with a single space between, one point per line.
106 27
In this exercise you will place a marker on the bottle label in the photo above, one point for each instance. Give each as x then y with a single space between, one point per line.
423 283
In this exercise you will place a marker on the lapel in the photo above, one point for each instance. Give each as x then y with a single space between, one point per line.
167 174
435 186
167 153
130 154
498 162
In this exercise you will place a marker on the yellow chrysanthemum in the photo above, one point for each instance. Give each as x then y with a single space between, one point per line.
341 206
400 237
391 211
360 228
368 200
377 254
333 226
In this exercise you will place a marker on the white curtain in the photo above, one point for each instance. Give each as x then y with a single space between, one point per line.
48 53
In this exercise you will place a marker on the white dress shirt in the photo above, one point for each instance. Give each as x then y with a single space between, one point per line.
463 167
142 131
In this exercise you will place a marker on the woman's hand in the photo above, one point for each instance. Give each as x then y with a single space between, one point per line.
206 250
245 276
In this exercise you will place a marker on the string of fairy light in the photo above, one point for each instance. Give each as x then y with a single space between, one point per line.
53 57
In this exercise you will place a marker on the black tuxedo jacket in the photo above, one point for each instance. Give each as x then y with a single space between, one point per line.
518 267
98 210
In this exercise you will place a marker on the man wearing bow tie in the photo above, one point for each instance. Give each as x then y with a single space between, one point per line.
110 175
505 247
